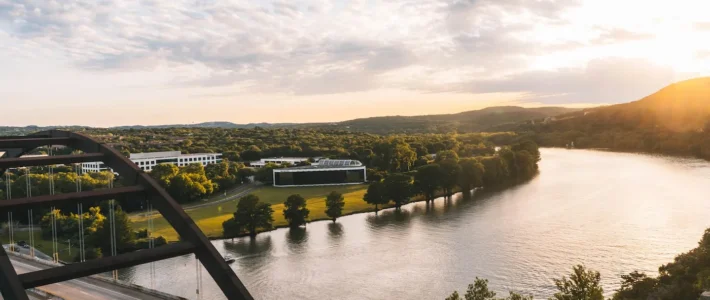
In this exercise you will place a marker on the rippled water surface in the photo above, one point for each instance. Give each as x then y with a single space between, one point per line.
613 212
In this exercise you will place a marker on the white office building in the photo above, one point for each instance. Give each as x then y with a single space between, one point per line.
146 161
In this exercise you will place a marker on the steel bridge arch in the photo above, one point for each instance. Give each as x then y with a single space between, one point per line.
136 182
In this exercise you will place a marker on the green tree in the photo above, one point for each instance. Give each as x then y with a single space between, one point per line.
582 284
219 173
376 194
231 228
450 171
529 146
479 291
635 286
449 168
447 155
252 214
398 188
334 204
125 236
427 180
496 170
295 211
164 173
231 155
245 173
186 187
265 174
471 175
405 156
476 291
252 153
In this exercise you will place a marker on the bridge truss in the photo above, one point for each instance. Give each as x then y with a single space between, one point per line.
136 183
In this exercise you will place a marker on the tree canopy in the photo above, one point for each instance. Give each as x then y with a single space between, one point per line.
334 204
251 215
295 211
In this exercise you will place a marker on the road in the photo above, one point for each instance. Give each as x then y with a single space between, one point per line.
86 288
233 194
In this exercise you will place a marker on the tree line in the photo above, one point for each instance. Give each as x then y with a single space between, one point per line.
446 173
392 152
582 284
253 215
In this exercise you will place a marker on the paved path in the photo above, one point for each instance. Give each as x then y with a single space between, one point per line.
233 194
86 288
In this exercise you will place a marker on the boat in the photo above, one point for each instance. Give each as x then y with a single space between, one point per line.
228 259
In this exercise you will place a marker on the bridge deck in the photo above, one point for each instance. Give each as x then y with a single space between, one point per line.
86 288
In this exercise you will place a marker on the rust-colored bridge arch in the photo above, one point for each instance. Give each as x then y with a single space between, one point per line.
136 182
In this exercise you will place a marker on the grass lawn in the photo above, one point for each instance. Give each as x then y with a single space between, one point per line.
210 218
42 245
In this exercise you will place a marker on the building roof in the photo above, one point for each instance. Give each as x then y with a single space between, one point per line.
155 154
166 154
318 167
339 162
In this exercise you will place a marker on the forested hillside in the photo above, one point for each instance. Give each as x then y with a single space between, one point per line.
470 121
675 120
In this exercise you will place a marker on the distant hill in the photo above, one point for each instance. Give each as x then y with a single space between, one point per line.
487 119
679 107
210 125
476 120
674 120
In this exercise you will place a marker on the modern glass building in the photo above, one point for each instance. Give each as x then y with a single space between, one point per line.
324 172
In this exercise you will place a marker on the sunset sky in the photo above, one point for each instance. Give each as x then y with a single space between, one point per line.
111 62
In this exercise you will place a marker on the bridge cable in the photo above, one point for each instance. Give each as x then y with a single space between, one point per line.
151 240
10 230
198 277
30 220
55 228
112 223
80 211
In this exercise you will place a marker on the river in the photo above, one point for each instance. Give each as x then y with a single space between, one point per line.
613 212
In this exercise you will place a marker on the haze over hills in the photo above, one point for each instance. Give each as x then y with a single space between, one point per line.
222 124
468 121
674 120
681 106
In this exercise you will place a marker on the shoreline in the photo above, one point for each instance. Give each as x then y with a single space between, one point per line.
419 198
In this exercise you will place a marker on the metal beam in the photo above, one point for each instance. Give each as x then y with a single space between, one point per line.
104 264
223 275
10 283
31 142
213 261
102 194
49 160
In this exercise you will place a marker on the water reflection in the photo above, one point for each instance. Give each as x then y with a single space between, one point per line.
335 231
385 218
297 239
247 247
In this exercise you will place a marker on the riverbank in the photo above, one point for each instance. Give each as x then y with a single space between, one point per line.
210 218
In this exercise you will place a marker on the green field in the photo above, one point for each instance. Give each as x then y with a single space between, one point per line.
42 245
210 218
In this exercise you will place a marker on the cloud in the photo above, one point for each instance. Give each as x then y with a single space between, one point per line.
311 47
617 35
609 80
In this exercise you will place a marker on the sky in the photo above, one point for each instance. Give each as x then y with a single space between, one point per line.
116 62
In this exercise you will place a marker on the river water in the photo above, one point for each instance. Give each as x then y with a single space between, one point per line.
613 212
